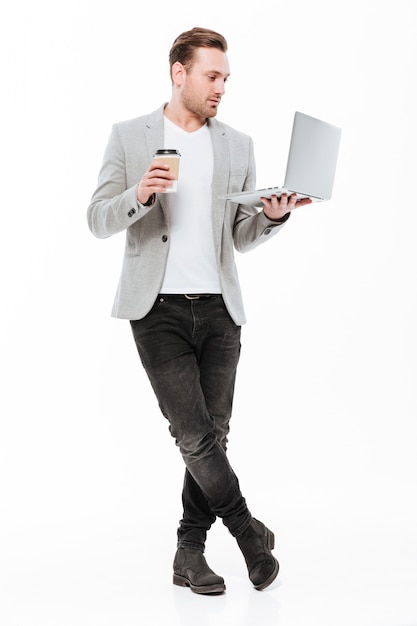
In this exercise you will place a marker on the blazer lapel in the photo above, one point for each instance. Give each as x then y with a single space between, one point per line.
155 139
221 173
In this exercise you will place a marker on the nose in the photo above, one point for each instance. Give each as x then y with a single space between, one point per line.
220 86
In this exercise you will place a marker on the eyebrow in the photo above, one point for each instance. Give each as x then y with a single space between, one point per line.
218 73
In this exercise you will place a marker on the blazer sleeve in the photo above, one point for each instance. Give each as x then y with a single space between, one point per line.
251 226
114 205
251 230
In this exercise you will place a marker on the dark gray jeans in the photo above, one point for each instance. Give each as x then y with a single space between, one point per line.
190 351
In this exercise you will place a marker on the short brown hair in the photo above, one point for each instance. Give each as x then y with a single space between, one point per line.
184 46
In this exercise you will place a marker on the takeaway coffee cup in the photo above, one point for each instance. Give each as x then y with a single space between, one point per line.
171 158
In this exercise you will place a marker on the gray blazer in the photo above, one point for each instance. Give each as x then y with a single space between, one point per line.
114 208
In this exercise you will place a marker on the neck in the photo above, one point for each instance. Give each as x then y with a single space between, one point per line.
183 118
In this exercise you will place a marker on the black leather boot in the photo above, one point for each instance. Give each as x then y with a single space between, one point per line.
256 543
191 570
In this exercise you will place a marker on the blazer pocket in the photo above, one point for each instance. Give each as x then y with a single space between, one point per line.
237 180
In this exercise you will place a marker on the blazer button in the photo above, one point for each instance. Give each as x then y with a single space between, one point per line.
267 231
131 212
164 238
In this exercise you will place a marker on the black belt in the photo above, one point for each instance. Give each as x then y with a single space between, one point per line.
187 296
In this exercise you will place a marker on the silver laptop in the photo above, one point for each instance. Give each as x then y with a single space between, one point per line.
311 164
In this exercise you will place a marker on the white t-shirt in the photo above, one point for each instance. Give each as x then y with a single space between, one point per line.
191 265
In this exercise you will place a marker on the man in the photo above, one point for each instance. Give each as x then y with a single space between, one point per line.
179 287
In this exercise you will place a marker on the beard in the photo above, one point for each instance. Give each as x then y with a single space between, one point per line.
200 108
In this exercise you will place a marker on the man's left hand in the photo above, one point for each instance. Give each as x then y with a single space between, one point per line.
276 208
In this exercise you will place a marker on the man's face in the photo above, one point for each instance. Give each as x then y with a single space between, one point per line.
204 83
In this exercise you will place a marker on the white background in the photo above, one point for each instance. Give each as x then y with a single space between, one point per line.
323 433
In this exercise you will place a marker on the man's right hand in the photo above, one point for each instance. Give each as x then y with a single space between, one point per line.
155 180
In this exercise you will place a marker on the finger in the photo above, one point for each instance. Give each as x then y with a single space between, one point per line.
159 173
275 200
304 202
153 184
157 165
266 202
159 186
283 201
292 201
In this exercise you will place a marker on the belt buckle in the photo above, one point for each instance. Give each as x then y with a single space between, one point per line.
191 297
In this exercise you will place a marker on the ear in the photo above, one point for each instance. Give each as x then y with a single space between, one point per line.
178 73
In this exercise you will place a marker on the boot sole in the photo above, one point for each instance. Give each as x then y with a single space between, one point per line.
204 589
